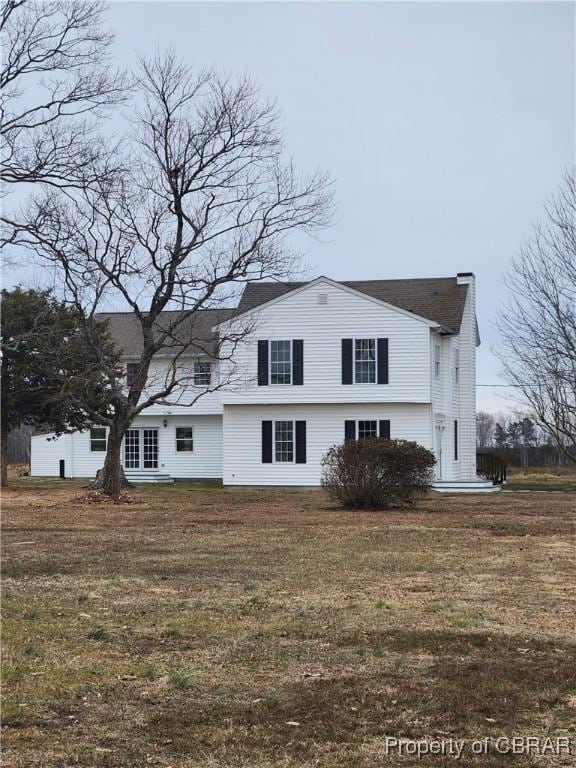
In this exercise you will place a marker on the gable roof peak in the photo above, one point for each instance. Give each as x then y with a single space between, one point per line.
439 299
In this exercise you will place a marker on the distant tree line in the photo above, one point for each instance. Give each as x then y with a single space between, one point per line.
518 439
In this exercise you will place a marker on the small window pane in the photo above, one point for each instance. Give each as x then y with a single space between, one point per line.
132 449
184 440
280 362
365 361
437 361
98 438
284 441
367 429
150 448
202 373
131 372
456 366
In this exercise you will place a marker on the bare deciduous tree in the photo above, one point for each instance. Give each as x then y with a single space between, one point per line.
55 82
206 204
538 327
484 429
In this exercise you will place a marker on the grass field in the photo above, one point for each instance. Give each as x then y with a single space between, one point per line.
203 627
542 479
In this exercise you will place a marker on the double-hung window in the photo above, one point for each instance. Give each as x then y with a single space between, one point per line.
284 441
184 441
367 429
131 373
365 361
98 438
437 353
456 366
202 373
280 362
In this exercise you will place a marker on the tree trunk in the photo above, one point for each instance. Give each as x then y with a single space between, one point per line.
4 453
111 478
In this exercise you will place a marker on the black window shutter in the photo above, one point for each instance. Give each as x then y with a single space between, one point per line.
349 430
382 361
300 442
455 440
346 361
298 362
384 429
262 363
266 442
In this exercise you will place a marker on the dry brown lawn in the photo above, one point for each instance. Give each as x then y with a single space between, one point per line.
203 627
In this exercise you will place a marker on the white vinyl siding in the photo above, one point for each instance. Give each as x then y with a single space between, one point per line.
204 462
184 400
47 452
324 428
464 408
322 328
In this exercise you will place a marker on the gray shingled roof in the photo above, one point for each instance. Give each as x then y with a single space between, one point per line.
196 330
440 299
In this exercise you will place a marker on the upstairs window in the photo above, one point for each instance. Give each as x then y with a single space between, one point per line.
456 366
98 438
202 373
280 362
131 373
437 353
184 441
365 361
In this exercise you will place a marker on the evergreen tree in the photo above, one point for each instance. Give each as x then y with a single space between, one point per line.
57 365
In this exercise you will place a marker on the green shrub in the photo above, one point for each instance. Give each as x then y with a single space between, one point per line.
377 474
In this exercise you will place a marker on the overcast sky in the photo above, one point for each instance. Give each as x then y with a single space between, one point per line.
445 125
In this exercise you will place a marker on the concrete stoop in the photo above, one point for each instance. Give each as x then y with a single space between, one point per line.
148 477
465 486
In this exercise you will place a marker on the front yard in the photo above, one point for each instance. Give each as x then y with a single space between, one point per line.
204 627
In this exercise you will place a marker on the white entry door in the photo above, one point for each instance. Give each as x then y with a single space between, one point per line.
141 449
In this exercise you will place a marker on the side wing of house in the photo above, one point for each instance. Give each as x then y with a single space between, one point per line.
453 384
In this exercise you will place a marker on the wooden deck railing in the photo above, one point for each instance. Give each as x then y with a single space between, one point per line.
491 467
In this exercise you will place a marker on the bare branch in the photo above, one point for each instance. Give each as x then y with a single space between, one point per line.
56 82
538 327
203 204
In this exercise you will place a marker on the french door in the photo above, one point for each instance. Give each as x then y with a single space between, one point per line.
141 448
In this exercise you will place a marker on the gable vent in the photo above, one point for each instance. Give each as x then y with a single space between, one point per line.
322 298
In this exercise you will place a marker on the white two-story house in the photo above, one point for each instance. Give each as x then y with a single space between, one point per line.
325 362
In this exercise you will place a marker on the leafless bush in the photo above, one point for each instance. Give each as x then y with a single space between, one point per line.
376 473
